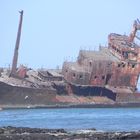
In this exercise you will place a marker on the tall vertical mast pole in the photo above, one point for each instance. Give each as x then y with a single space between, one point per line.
15 57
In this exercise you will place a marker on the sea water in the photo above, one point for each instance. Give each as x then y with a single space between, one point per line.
106 119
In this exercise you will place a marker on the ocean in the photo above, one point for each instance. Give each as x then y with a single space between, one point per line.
104 119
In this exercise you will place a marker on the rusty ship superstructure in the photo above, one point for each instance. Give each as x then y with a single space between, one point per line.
113 70
108 76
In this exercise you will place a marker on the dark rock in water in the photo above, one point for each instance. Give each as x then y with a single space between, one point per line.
24 133
21 130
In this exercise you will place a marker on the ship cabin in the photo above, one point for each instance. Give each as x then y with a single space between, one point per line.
117 65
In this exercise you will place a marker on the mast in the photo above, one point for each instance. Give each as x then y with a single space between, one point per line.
15 57
136 26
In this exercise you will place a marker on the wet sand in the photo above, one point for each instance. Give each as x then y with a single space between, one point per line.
24 133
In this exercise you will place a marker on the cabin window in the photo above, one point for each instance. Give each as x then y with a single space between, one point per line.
125 55
119 65
80 76
90 63
123 65
108 77
103 77
133 65
95 77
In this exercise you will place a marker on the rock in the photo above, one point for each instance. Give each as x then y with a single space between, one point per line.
25 133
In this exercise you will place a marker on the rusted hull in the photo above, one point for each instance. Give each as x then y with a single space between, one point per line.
13 96
23 96
93 91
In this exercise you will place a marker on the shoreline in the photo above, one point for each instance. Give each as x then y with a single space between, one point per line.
59 106
15 133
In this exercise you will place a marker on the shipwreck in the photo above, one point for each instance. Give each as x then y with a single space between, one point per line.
108 77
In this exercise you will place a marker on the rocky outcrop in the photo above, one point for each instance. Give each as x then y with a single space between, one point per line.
13 133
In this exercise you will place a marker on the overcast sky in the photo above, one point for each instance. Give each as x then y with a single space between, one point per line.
55 30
